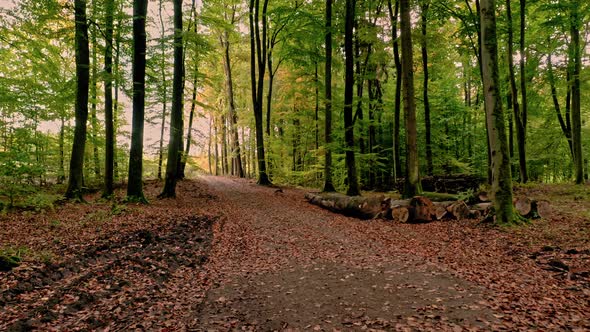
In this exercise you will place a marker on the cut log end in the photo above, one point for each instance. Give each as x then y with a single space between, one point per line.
523 206
400 214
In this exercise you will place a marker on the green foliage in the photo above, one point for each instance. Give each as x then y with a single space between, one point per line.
11 257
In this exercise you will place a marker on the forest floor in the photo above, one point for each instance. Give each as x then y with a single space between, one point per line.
230 255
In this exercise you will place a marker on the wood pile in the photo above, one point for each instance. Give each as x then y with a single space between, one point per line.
420 209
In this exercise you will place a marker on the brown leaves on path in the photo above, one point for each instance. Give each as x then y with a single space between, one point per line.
228 254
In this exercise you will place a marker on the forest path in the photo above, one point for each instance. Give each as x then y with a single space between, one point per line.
279 263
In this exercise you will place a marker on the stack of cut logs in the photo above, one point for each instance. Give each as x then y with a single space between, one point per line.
420 208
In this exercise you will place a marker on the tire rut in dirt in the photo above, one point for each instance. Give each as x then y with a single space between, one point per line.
117 279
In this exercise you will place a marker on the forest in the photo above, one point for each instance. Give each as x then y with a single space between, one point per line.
153 146
262 90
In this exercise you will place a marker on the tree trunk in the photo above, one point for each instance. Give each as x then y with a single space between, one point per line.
501 177
398 91
359 91
576 102
216 141
134 182
164 90
328 185
518 113
317 107
94 98
176 126
565 128
76 178
189 130
116 69
353 187
61 174
233 116
423 47
224 154
412 183
209 145
258 61
108 101
524 177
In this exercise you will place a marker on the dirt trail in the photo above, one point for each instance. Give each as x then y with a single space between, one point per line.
229 255
280 263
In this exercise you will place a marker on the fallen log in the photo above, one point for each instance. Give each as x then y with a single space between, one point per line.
458 210
416 209
532 209
543 209
354 206
523 206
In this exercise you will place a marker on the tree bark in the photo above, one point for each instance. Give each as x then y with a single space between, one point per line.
412 183
353 186
424 49
328 185
116 69
501 189
524 175
258 61
176 126
576 100
61 173
164 90
108 101
76 178
393 16
94 97
189 130
134 182
565 127
233 116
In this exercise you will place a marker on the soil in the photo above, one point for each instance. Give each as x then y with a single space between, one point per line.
228 255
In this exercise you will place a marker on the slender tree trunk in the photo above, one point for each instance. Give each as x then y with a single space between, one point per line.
518 113
164 89
209 145
233 115
575 95
393 16
116 69
424 49
501 177
328 185
567 130
524 176
359 115
176 126
317 107
353 186
215 126
258 61
61 174
76 178
224 152
135 175
189 131
413 186
108 101
94 98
